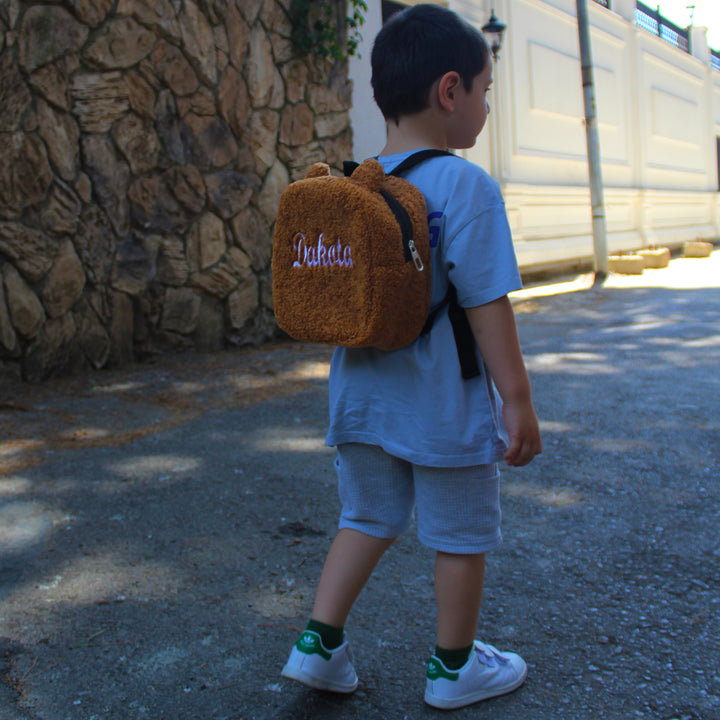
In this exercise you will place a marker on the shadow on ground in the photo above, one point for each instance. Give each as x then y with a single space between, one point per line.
162 527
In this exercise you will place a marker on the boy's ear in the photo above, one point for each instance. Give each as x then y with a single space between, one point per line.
447 89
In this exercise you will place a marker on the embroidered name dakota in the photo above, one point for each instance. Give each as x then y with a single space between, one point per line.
315 255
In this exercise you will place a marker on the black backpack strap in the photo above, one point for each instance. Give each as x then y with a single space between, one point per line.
432 316
464 338
349 167
417 158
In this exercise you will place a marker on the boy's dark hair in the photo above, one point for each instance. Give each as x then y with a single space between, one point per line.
415 48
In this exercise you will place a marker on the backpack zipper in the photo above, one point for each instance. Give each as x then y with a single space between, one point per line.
415 255
402 216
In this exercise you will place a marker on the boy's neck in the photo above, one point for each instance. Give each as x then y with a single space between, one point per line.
414 132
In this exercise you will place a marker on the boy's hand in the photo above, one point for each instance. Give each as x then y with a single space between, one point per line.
523 431
493 325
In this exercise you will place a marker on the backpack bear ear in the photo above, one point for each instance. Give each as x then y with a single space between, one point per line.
318 169
370 174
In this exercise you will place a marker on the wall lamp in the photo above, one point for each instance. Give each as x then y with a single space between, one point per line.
493 30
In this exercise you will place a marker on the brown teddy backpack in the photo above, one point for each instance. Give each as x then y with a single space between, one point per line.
351 258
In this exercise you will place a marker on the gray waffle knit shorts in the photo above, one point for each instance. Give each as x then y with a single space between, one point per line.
458 509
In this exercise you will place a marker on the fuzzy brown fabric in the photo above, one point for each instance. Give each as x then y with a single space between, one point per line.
339 272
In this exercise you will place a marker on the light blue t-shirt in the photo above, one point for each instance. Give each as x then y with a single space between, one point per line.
413 402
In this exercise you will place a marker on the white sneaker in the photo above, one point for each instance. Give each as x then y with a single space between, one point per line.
310 663
487 673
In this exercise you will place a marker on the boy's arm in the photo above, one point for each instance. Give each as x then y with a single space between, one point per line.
493 326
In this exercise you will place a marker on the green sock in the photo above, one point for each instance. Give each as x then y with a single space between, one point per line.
453 659
332 637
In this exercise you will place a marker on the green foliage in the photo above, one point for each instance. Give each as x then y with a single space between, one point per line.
320 27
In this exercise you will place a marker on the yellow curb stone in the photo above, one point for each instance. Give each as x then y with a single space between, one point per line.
655 257
697 249
626 264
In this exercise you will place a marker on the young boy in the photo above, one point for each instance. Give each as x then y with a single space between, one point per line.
410 432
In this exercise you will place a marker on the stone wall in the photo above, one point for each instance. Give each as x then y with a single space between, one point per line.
143 148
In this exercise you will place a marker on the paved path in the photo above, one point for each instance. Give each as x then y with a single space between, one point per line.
161 529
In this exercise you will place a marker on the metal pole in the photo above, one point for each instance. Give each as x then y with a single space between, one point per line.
593 148
495 127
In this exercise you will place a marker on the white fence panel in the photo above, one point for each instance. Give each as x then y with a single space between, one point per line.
658 116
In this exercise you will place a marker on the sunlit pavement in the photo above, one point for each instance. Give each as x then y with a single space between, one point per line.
681 274
162 528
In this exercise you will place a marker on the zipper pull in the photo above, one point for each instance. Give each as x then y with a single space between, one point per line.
415 255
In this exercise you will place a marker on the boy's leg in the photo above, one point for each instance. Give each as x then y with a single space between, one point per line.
485 672
376 491
459 583
377 494
352 557
459 516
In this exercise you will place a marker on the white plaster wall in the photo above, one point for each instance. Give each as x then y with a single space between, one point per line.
674 114
658 117
367 121
546 110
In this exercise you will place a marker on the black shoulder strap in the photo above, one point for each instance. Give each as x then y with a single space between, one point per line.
464 338
462 332
415 159
349 166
